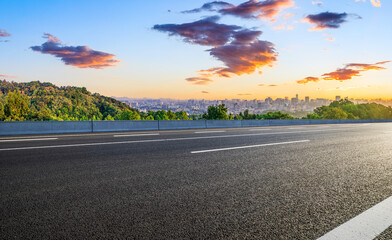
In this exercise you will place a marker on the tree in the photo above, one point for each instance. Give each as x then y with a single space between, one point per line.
2 114
277 115
16 107
149 118
216 112
312 116
128 115
182 115
334 113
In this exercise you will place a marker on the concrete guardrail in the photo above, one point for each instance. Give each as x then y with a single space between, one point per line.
26 128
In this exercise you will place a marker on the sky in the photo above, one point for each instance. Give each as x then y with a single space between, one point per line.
201 49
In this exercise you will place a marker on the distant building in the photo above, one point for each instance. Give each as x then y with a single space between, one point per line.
306 99
338 98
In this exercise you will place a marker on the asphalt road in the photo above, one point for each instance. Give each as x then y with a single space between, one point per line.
292 182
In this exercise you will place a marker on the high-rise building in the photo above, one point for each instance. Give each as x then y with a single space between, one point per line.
337 98
307 99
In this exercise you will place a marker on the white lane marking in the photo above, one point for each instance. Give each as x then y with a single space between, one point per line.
260 129
250 146
156 140
136 135
296 128
28 139
209 132
367 225
66 135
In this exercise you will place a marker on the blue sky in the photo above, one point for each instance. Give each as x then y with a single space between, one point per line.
154 64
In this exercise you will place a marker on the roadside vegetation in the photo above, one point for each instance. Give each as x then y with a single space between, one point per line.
36 101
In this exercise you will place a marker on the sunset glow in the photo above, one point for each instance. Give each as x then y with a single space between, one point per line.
201 49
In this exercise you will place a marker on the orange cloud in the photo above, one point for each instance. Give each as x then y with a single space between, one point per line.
347 73
366 67
330 39
289 15
341 74
308 80
243 58
78 56
376 3
249 9
352 70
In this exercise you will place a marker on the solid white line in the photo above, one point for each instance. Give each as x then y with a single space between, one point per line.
63 135
367 225
28 139
210 132
136 135
156 140
250 146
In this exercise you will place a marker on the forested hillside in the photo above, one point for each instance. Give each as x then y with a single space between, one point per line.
36 101
345 109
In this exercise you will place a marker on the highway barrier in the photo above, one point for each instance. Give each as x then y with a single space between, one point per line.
53 127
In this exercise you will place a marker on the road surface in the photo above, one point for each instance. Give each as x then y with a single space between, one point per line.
290 182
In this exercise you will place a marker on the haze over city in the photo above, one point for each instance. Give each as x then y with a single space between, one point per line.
200 49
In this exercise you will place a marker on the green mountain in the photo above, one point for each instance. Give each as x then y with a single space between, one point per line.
36 101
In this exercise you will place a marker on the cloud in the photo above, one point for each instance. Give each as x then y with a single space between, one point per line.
283 27
261 85
342 74
327 20
204 92
376 3
349 71
318 3
272 85
289 15
308 80
78 56
4 33
244 57
244 94
238 48
352 70
251 9
211 6
7 76
366 67
203 32
199 80
330 39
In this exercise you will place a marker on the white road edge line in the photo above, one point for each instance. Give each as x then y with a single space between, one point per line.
65 135
136 135
155 140
250 146
28 139
209 132
367 225
259 129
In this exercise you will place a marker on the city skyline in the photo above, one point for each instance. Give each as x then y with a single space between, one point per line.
201 49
